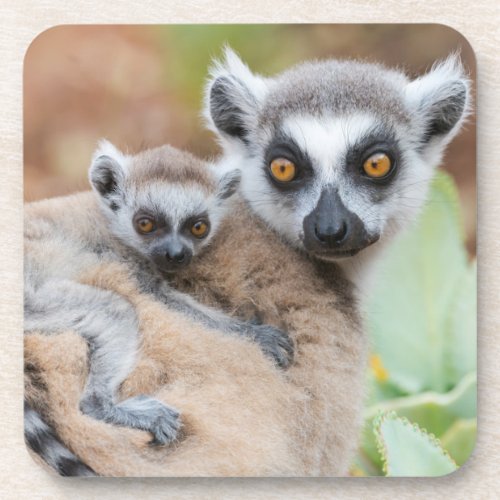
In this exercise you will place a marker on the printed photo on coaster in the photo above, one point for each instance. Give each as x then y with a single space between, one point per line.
250 250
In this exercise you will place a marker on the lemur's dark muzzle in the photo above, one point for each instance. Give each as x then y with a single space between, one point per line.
176 254
172 255
332 230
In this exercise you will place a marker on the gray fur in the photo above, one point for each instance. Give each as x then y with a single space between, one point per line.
335 87
109 325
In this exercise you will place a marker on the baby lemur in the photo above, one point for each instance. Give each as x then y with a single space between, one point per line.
156 211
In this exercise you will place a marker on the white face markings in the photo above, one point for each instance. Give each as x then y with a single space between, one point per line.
174 202
271 206
326 141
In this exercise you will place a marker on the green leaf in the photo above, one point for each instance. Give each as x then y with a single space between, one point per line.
408 450
460 439
461 353
430 410
409 313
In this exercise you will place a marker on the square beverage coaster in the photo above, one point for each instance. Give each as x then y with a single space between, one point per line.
250 250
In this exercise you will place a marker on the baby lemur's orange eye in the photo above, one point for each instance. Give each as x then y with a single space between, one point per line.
145 225
377 165
283 170
199 229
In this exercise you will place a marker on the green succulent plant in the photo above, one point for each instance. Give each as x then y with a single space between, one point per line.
407 450
421 416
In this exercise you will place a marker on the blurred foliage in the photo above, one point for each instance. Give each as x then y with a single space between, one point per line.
422 325
203 43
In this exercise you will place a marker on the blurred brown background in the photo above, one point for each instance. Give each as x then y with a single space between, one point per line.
141 86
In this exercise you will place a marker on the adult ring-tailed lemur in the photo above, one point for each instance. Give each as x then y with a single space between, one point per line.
331 151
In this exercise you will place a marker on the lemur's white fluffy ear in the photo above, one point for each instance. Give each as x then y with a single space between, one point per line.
228 184
232 96
441 101
108 169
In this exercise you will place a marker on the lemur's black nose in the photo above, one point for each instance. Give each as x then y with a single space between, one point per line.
178 256
332 229
173 255
331 235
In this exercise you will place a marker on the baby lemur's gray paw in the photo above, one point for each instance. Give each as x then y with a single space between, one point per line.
275 344
151 415
140 412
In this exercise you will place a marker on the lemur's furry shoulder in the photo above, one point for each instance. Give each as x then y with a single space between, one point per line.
248 259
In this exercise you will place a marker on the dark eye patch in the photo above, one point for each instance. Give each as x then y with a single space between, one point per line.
188 223
283 146
161 223
375 141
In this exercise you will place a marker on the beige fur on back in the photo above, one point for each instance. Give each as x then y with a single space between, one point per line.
242 416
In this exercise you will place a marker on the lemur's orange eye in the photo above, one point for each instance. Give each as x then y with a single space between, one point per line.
145 225
377 165
283 170
199 229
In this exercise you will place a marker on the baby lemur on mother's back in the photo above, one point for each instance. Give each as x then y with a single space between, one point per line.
155 211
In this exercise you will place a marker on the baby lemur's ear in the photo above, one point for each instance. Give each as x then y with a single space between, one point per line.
107 171
228 184
440 100
232 97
